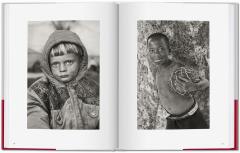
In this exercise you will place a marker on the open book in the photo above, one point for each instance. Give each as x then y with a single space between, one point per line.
131 76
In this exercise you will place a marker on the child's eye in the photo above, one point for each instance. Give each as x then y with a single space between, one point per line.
151 50
54 65
69 62
159 49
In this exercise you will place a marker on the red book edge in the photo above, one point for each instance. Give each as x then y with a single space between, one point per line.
235 147
5 148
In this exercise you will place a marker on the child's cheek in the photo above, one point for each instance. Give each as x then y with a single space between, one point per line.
74 70
54 72
154 57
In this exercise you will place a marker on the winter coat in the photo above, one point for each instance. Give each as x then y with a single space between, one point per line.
55 105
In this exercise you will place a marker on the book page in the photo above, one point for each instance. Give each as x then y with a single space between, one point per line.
176 76
60 76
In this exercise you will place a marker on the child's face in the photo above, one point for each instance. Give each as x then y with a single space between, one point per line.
158 50
65 68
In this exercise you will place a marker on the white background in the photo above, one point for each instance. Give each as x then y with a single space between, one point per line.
237 1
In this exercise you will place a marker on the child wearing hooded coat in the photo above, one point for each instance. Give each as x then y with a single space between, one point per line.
64 98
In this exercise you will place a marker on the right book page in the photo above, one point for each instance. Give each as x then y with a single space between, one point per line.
177 82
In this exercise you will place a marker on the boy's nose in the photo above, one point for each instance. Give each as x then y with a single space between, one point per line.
62 68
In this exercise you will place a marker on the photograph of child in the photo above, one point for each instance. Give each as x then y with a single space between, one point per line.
66 93
178 75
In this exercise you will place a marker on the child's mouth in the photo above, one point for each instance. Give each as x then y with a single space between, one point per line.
63 76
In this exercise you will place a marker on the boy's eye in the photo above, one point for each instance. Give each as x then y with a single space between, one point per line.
54 65
69 62
156 51
152 50
159 49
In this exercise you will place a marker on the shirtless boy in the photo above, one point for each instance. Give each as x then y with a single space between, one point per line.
176 84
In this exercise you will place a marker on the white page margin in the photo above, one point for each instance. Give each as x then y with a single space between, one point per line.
221 91
16 133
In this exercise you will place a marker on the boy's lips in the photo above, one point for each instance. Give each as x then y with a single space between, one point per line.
63 76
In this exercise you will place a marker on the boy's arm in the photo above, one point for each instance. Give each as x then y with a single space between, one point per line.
203 84
37 112
190 86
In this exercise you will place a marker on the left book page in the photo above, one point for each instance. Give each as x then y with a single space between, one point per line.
60 76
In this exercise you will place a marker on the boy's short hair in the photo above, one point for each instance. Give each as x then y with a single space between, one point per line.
65 48
159 36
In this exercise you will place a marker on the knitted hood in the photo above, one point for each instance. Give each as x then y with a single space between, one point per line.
55 38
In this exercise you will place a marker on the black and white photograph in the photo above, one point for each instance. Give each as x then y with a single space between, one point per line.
169 76
173 74
63 75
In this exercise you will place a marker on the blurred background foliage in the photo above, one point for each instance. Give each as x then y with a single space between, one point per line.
189 44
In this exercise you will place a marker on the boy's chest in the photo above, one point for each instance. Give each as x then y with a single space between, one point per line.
163 76
172 101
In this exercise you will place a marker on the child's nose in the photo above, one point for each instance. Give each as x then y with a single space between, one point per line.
62 68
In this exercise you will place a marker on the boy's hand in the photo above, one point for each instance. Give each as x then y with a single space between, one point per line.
186 84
